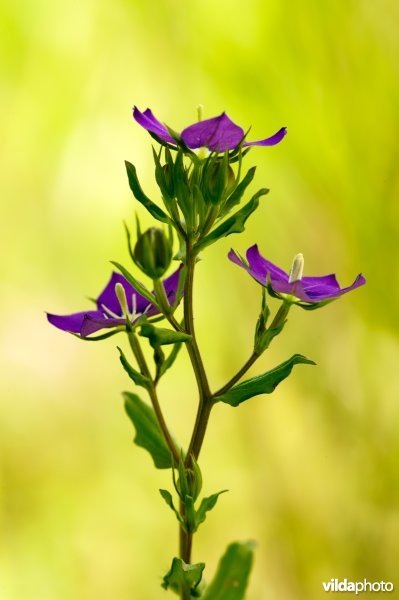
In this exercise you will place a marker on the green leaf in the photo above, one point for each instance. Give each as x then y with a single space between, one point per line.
315 305
234 224
236 196
183 577
159 336
138 286
231 579
138 193
169 360
103 336
262 384
135 375
167 496
148 432
206 505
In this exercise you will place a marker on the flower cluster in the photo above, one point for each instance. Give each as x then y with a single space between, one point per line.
202 184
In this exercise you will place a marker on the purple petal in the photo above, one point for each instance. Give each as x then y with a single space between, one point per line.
147 120
295 288
92 323
72 323
260 268
327 282
171 284
217 134
324 291
270 141
233 256
109 299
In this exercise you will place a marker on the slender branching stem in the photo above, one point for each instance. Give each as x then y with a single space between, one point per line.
142 363
251 360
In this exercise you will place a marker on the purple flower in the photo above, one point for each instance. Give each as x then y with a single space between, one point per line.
218 134
117 302
305 291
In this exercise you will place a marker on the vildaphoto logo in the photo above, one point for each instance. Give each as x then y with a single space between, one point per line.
335 585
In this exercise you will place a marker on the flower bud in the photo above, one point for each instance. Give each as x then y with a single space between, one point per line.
168 179
220 180
153 252
190 480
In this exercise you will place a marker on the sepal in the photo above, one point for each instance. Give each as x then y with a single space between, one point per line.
135 283
136 376
167 496
206 505
233 224
182 577
138 193
237 194
188 487
159 336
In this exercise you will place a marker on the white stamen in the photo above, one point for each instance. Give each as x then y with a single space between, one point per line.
126 313
134 304
296 269
108 312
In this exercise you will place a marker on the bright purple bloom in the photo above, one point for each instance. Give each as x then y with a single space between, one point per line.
109 311
308 290
218 134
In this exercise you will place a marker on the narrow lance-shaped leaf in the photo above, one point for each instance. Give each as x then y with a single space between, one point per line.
206 505
138 193
148 432
231 579
183 577
167 496
136 376
169 360
160 336
262 384
135 283
234 224
236 196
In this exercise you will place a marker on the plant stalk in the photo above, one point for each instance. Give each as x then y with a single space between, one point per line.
138 353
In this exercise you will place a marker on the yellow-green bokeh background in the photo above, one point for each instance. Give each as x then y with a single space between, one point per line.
313 469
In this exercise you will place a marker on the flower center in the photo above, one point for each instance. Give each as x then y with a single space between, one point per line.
296 269
132 315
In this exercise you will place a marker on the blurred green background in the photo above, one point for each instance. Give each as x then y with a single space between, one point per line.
312 470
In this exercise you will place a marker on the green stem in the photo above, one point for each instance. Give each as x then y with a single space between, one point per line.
186 541
161 297
253 358
138 353
205 396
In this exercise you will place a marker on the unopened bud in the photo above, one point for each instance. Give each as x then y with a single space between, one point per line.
220 181
296 269
168 179
153 252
